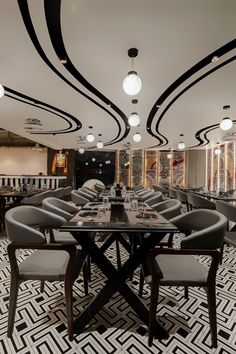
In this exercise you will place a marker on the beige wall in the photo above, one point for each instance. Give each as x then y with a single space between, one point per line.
19 161
196 168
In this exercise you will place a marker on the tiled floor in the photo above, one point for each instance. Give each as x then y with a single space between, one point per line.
40 319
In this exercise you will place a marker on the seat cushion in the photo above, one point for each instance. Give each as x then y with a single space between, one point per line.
44 264
64 237
230 238
180 270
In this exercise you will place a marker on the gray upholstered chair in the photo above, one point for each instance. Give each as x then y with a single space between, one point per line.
179 267
36 200
163 190
198 202
85 194
168 208
182 196
172 192
78 199
139 187
229 211
58 192
90 191
47 262
155 198
65 210
67 192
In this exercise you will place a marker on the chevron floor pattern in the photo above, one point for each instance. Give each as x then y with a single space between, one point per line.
40 319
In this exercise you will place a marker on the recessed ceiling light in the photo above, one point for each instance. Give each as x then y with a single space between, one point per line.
1 91
215 58
93 159
63 60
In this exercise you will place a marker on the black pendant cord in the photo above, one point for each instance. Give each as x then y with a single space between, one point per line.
207 60
32 101
53 19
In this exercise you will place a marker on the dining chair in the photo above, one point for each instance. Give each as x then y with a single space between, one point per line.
36 200
60 207
58 192
169 208
2 213
67 193
172 192
182 196
85 194
78 199
155 198
229 211
198 202
48 261
90 191
163 190
204 230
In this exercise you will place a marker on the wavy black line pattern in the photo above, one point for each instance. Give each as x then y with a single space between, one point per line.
53 16
32 101
24 9
193 70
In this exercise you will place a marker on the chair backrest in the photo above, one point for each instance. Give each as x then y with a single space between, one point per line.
204 228
78 199
58 193
21 222
160 189
147 195
155 198
182 196
67 191
37 198
172 192
168 208
200 202
227 209
85 194
89 192
60 207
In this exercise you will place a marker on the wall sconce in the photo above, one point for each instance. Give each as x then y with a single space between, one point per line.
60 159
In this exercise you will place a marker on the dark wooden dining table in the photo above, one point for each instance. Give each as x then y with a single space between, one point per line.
118 219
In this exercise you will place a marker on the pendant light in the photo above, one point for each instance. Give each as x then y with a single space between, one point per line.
134 119
2 91
137 138
132 84
218 150
81 150
99 144
90 137
169 155
181 145
226 122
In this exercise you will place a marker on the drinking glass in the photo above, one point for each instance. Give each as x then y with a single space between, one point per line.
101 211
105 201
134 205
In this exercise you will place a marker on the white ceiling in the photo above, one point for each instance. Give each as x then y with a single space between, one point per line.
171 36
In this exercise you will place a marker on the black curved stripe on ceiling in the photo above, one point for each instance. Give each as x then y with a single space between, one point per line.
24 9
37 102
193 70
189 86
53 16
48 110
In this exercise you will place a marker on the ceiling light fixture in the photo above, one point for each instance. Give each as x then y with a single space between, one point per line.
226 122
169 155
90 137
132 84
81 150
181 145
134 119
218 150
2 91
137 137
99 144
63 60
215 58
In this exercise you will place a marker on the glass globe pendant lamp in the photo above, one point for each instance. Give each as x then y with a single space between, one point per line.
181 144
226 122
132 84
137 138
90 137
134 119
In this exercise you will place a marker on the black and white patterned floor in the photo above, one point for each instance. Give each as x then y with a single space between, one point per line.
40 318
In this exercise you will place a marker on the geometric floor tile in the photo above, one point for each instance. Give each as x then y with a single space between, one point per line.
40 323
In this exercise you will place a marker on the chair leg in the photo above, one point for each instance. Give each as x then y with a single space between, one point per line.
86 277
42 283
12 305
141 283
118 255
221 253
69 306
211 297
186 292
152 311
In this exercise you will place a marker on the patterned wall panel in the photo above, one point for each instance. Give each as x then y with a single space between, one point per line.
178 168
230 166
209 172
123 170
150 168
137 162
222 168
164 170
215 172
